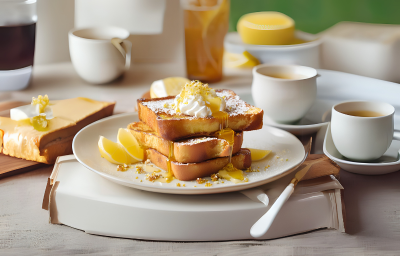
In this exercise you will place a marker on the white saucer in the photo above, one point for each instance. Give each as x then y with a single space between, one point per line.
283 144
389 162
307 125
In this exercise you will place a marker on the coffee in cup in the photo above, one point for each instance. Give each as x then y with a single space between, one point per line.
284 92
100 54
362 130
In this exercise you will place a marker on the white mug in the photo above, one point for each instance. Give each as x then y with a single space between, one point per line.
100 54
284 92
362 138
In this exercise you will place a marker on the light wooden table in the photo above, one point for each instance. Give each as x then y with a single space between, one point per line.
372 202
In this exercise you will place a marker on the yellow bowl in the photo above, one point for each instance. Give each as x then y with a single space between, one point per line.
266 28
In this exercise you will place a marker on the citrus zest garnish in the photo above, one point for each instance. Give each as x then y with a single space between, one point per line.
258 154
39 122
114 152
122 168
198 88
41 102
200 181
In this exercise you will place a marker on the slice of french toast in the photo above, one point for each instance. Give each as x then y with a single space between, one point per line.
193 150
192 171
162 118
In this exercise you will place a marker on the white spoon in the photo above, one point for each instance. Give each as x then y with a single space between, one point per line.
264 223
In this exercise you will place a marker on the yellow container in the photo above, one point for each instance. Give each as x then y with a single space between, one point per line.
266 28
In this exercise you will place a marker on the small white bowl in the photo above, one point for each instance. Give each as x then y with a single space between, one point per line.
305 54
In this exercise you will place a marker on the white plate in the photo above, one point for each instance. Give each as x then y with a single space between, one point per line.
389 162
282 143
334 87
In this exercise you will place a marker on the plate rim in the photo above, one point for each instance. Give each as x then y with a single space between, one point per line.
182 190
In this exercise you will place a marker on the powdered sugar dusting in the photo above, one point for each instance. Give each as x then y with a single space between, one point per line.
234 105
161 106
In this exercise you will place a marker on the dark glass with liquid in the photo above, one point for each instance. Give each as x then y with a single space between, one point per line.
17 43
17 46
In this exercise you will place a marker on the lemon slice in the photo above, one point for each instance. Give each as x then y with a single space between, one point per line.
236 60
258 154
129 142
170 86
114 152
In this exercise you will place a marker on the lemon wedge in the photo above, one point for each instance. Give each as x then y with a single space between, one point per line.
266 28
129 142
233 176
170 86
236 60
258 154
114 152
229 172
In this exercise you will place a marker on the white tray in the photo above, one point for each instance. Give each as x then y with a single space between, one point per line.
84 200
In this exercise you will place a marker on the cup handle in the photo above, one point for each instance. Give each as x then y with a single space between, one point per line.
124 47
396 134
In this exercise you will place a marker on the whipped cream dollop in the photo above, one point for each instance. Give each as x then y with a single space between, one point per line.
38 107
197 99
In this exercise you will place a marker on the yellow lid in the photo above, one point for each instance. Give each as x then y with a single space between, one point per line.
266 28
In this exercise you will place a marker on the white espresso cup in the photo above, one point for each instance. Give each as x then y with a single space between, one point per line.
284 92
100 54
362 130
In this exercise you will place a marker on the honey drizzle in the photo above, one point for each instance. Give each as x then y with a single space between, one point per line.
222 118
170 175
144 155
224 132
144 152
229 135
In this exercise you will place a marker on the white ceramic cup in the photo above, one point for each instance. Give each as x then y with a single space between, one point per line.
362 138
284 100
96 58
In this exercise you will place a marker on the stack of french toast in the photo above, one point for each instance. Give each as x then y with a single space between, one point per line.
196 133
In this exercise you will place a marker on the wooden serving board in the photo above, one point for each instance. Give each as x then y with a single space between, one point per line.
12 165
